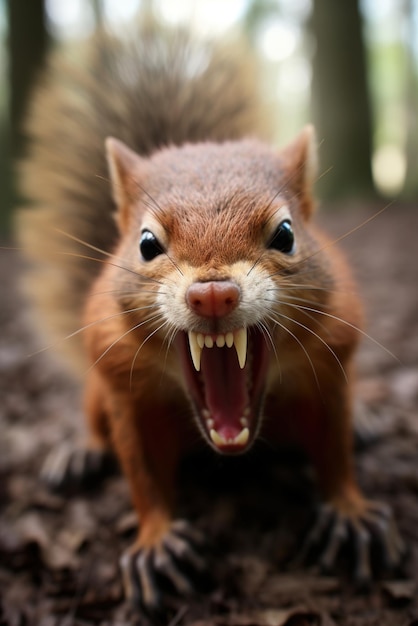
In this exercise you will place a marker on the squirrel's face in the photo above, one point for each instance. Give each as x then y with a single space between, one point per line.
224 264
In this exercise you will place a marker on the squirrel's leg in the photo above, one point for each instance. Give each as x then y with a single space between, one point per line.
147 442
85 462
346 516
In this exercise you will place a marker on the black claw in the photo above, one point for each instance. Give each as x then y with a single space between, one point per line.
184 529
184 552
171 570
361 541
372 539
314 538
69 468
389 546
151 575
337 538
140 583
151 596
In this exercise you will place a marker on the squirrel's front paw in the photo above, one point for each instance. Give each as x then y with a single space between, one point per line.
173 564
368 529
72 467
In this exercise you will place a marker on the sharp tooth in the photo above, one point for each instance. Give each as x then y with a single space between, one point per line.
240 342
210 423
208 341
200 340
242 438
220 341
206 414
217 439
229 339
195 350
244 422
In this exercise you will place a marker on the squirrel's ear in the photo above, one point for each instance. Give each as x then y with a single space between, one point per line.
124 169
300 160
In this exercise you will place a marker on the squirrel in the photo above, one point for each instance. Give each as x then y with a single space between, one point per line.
196 286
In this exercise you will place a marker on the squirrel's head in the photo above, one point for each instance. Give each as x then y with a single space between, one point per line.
218 236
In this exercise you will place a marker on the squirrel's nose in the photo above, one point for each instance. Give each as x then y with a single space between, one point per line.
213 298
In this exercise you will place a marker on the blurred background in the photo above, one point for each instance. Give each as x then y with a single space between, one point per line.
349 66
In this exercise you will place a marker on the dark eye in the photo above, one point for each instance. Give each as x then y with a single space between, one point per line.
283 239
149 246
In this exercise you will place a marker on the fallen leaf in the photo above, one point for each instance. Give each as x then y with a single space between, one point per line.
400 591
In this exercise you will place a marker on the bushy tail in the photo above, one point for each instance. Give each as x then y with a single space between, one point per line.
159 87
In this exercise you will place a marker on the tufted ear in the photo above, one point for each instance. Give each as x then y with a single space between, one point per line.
125 169
300 161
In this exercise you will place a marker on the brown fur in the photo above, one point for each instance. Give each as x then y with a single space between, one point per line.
214 201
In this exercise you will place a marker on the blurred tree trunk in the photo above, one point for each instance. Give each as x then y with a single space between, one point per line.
27 40
411 178
27 47
98 13
5 176
341 102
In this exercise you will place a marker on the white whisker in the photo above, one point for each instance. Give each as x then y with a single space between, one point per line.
266 331
290 319
298 308
354 327
130 330
89 325
284 327
147 338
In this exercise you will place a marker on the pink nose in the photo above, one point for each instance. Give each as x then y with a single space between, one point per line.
214 298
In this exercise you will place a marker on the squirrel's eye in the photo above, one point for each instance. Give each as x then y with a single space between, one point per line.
149 246
283 239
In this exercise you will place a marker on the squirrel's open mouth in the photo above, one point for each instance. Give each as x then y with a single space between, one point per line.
225 375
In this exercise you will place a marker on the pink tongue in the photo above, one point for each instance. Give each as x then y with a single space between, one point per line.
225 389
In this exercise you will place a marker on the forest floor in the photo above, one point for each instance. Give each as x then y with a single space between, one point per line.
59 555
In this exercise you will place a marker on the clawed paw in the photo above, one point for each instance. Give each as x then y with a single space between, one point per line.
176 565
370 537
71 467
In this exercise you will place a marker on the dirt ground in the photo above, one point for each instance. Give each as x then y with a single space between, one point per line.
59 555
